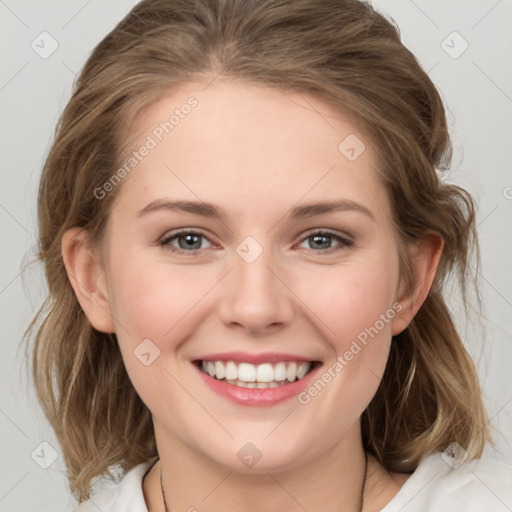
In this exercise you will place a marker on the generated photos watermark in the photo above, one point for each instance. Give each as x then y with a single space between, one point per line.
152 140
355 348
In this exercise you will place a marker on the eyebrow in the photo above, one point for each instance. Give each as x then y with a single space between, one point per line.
212 211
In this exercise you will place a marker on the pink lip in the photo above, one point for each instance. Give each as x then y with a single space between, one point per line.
254 396
246 357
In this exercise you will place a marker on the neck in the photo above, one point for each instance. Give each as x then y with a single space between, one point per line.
330 482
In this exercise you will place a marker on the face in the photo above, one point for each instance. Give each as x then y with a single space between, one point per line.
248 271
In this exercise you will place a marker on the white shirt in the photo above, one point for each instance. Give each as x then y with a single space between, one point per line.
475 486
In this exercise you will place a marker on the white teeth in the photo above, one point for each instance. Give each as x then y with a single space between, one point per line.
280 372
251 376
246 372
291 371
220 371
260 385
301 370
231 371
264 373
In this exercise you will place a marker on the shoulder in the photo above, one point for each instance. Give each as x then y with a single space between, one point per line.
441 485
124 496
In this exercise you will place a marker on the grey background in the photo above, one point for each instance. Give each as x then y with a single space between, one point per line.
476 87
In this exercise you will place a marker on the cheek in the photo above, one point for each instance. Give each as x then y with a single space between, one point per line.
150 300
154 302
356 307
354 297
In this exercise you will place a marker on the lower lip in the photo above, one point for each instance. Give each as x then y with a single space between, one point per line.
254 396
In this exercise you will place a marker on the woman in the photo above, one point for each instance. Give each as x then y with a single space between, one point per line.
246 241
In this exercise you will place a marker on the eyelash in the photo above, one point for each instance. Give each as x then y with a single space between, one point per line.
345 242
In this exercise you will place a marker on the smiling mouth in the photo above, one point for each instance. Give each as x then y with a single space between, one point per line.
261 376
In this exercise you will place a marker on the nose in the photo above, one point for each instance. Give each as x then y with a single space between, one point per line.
255 297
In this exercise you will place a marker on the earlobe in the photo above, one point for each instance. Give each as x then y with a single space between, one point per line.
87 277
425 256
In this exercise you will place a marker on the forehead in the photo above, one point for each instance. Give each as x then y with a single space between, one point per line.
247 146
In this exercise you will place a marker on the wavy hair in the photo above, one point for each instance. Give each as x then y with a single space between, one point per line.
352 57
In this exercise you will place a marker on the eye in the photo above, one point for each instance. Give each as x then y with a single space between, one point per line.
322 239
188 241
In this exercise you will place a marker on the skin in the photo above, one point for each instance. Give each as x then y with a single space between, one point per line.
256 153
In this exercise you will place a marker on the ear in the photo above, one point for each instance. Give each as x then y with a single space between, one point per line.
87 277
425 256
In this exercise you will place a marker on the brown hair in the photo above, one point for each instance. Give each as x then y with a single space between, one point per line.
350 56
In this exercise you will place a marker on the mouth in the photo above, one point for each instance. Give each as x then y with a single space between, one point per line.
257 376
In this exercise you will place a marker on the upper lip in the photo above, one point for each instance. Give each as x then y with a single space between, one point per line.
246 357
